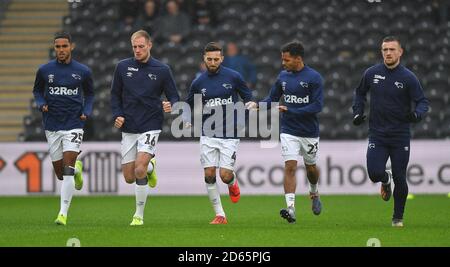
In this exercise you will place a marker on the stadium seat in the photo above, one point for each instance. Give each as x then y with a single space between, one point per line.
341 40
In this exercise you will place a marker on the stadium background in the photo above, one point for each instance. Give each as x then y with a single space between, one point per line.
341 38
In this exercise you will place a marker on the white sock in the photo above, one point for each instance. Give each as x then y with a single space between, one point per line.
67 189
313 188
214 197
150 167
141 192
290 199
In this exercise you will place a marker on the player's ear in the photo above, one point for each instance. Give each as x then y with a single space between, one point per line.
72 46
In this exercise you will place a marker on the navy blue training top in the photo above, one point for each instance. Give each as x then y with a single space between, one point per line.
303 96
68 91
136 94
392 93
220 89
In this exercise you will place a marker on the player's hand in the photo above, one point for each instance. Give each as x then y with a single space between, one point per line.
167 107
412 117
119 122
359 119
44 108
282 108
83 117
251 105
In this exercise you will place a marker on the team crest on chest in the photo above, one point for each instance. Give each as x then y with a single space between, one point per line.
152 76
227 86
304 84
50 78
76 76
399 85
203 91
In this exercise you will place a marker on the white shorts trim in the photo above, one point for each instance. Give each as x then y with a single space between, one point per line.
62 141
133 143
294 146
218 152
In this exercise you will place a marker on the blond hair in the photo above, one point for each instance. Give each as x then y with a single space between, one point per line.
141 33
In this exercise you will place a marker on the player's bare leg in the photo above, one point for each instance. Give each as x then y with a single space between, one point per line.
58 168
128 172
313 177
229 177
290 183
214 195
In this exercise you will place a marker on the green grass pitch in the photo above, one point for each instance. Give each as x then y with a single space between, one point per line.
183 221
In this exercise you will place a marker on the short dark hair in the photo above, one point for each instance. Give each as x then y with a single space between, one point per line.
63 35
213 46
295 48
392 38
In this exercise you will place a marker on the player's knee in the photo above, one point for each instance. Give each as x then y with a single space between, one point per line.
140 171
68 171
376 176
130 180
210 179
210 172
226 176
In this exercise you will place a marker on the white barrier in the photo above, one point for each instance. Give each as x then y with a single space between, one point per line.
25 168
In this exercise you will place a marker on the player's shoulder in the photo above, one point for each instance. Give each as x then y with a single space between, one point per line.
313 73
197 80
49 65
407 72
78 65
230 72
374 69
125 62
158 64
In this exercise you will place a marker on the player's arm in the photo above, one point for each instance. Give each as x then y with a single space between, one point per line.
116 99
38 92
190 101
421 102
275 93
359 100
88 90
316 104
245 93
171 92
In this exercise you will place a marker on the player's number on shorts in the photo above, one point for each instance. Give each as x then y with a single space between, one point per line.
313 148
77 138
152 142
234 156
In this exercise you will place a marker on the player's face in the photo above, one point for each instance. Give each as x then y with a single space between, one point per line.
213 59
141 48
63 49
289 62
391 52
